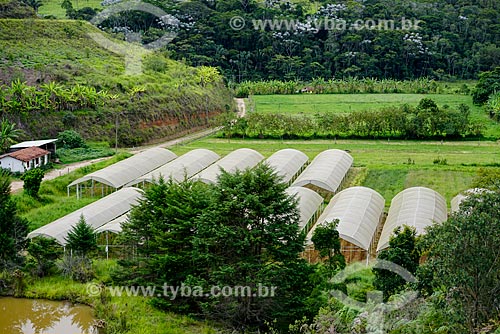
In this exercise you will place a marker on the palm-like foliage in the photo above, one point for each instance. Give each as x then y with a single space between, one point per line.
8 134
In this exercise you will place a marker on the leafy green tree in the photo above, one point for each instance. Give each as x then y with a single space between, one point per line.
35 4
13 229
82 239
489 83
44 252
32 181
8 134
249 235
463 259
402 251
326 240
71 139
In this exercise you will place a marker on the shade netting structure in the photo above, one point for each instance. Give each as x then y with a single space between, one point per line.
119 174
115 225
96 214
327 170
287 163
183 167
359 211
417 207
240 159
309 204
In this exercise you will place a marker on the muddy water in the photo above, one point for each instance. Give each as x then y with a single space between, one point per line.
35 316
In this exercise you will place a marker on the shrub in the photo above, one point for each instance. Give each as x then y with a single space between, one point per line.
32 180
71 139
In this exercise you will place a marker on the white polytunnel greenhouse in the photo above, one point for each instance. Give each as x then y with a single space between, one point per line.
184 166
287 163
96 214
359 211
119 174
417 207
240 159
309 204
115 225
457 200
327 171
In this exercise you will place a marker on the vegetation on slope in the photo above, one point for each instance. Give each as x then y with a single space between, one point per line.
168 97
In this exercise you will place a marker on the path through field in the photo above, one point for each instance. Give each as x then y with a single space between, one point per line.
18 185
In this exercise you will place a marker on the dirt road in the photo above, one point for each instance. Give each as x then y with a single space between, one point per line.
18 185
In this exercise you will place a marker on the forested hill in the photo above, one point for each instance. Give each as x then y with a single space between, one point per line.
455 38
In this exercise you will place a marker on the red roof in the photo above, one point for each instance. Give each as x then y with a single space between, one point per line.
27 154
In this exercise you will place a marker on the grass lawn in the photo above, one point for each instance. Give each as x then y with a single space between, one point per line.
53 7
53 202
310 104
388 170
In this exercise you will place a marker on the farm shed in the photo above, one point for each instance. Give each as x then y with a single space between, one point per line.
359 211
25 159
309 204
45 144
287 163
417 207
96 214
240 159
327 171
186 165
119 174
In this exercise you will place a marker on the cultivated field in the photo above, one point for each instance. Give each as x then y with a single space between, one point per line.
386 166
310 104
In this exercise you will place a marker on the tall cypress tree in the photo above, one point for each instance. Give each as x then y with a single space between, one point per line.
13 229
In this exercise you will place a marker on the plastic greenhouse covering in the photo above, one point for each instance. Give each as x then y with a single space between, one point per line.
418 207
184 166
327 170
240 159
308 202
457 200
358 210
114 226
96 214
287 163
125 171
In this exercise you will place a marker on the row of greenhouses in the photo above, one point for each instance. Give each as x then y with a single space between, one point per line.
363 225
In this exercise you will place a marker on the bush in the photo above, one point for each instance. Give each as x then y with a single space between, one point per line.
32 180
71 139
489 83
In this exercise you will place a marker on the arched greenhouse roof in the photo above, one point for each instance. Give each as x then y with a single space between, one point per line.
326 171
418 207
114 226
358 210
96 214
240 159
287 163
308 203
184 166
457 200
119 174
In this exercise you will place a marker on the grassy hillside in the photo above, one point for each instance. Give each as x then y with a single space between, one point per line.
165 99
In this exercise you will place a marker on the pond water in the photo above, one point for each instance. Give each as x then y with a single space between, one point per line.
35 316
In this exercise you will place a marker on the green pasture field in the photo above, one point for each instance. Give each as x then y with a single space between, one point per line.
389 166
310 104
53 7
